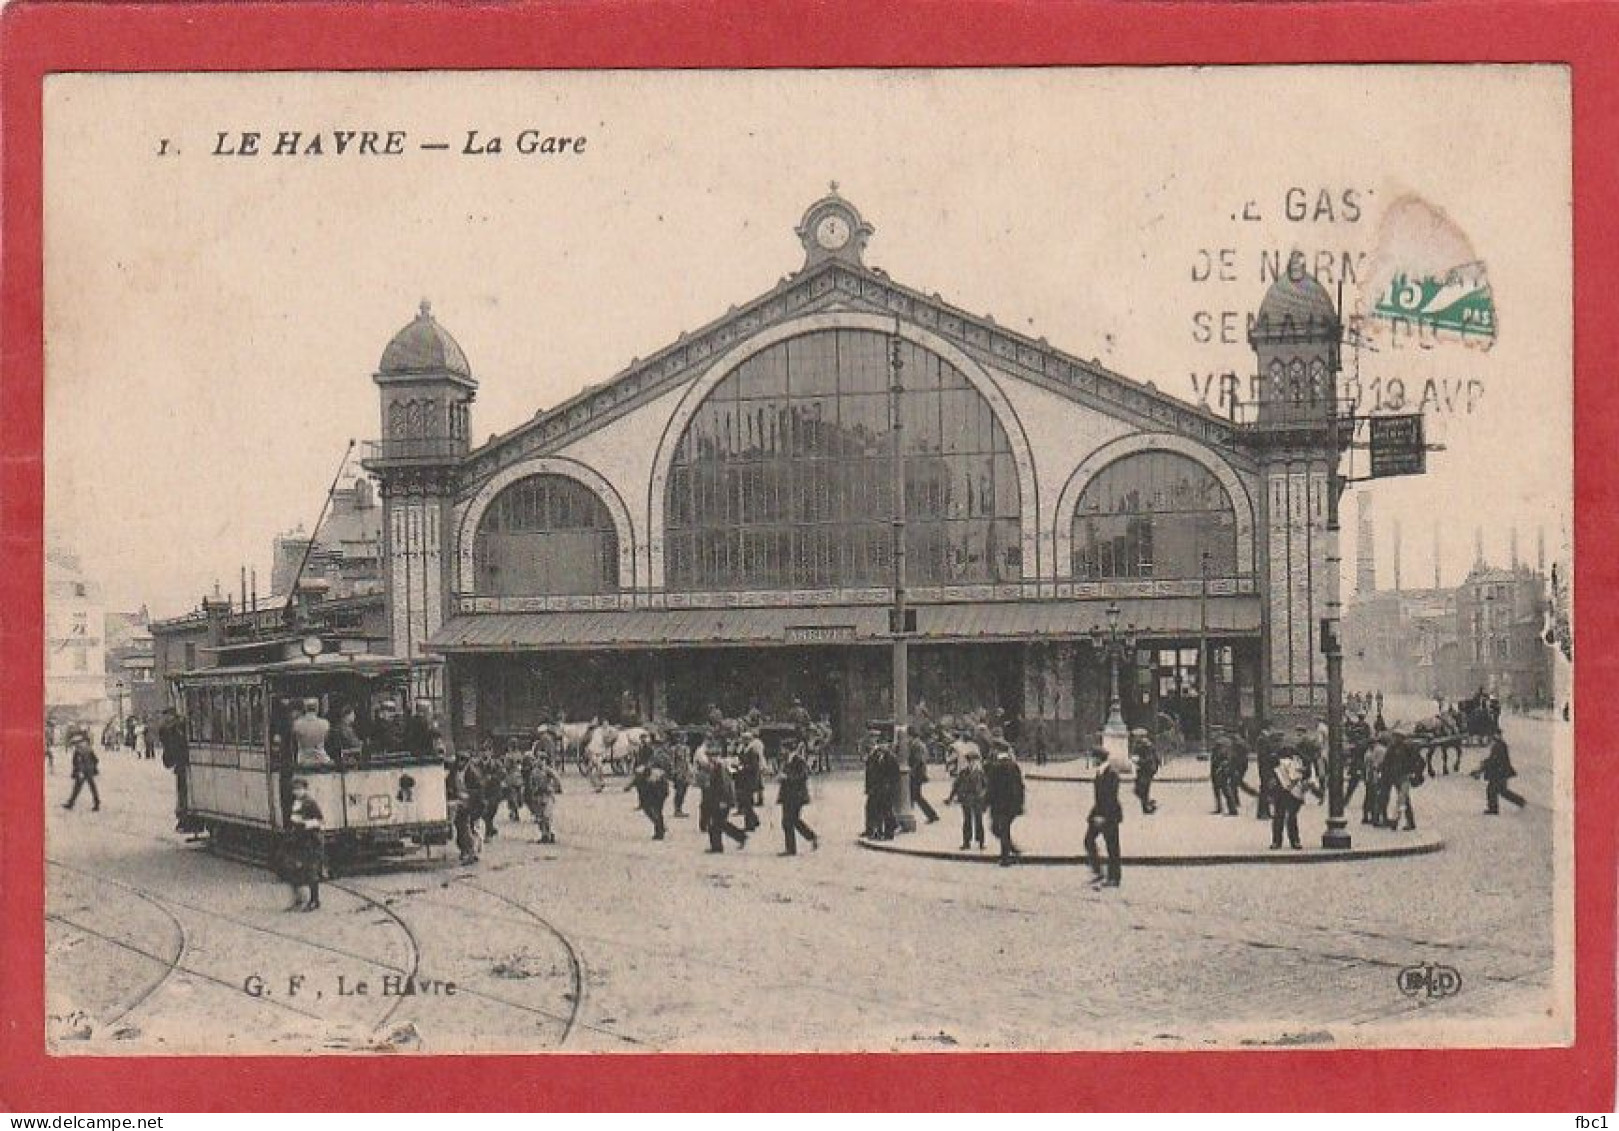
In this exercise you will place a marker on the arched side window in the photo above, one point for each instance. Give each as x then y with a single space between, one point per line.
784 478
1152 515
396 420
545 535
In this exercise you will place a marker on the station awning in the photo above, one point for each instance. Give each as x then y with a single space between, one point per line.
833 624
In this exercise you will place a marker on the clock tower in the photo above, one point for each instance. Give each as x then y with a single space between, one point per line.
832 229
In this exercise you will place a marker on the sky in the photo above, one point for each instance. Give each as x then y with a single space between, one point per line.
213 321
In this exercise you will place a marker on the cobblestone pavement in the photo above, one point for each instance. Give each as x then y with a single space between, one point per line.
611 941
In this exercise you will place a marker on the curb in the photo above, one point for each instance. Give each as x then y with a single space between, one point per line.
1306 856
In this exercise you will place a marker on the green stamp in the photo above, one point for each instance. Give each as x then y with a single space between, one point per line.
1457 301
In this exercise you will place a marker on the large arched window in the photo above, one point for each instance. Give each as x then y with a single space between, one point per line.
1152 515
545 535
784 478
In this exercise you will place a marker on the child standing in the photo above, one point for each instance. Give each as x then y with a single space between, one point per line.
306 847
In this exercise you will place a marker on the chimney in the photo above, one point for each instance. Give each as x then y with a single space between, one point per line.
1540 550
255 589
1396 555
1436 582
1478 547
1365 547
1512 548
244 589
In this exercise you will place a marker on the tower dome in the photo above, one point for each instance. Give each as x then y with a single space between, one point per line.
1297 305
424 346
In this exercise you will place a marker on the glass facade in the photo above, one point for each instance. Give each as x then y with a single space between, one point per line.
784 479
546 535
1152 515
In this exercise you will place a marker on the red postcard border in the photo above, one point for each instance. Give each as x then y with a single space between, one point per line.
40 38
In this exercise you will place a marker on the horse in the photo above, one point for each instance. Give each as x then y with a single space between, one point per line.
1439 733
573 738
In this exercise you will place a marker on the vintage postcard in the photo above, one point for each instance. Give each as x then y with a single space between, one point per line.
923 560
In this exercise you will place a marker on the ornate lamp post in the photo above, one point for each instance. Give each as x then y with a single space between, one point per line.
119 687
1114 646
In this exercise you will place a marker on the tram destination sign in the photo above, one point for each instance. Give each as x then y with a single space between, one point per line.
1397 445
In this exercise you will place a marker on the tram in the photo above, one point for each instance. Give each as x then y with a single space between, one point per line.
382 802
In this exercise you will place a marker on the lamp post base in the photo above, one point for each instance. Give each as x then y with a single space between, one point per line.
1116 737
1337 835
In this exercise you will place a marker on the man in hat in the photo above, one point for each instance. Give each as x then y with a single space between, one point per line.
969 791
387 732
305 856
309 733
542 788
1219 759
1497 771
1145 757
1103 821
86 766
171 735
918 763
1004 792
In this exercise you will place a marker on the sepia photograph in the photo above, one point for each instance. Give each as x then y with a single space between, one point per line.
907 561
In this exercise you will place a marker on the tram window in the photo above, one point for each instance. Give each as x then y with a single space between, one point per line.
255 716
228 716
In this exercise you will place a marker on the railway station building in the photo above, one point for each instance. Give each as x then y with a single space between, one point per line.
713 525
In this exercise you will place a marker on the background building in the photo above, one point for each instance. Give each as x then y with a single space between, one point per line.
712 526
75 649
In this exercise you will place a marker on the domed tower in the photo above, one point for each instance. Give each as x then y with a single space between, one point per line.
1295 435
426 389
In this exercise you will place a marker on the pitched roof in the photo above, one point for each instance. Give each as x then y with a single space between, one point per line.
841 285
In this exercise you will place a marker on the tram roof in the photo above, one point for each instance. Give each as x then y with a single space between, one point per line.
330 663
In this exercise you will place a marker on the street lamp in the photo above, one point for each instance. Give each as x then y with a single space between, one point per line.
1114 646
119 688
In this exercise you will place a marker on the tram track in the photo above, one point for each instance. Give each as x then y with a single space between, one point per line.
576 966
168 966
569 1021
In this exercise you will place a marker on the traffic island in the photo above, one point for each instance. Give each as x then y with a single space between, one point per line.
1183 832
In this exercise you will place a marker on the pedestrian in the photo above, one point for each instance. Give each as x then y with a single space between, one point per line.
541 791
880 822
969 790
1219 760
1309 746
1266 757
143 738
1236 774
749 782
680 773
1103 821
793 795
86 766
1147 762
1038 737
719 795
1004 793
1404 765
650 780
919 777
173 736
464 787
1496 770
514 779
387 734
1292 783
492 787
304 853
309 733
129 733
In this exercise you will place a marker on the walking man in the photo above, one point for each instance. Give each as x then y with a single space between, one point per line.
793 795
651 784
85 766
1496 770
719 794
1219 759
919 777
1145 756
1103 821
750 785
1004 791
543 786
